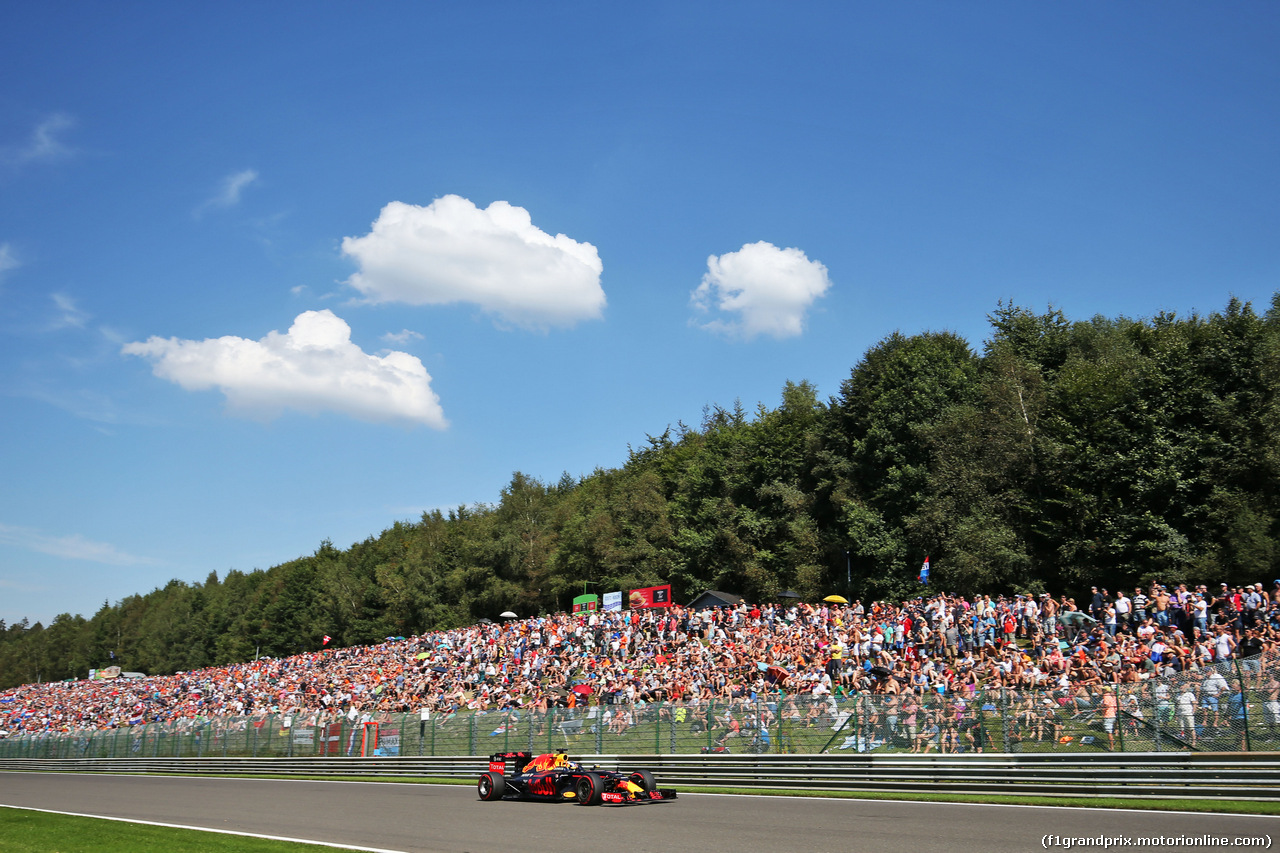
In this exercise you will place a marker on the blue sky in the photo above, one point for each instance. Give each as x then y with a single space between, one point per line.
272 274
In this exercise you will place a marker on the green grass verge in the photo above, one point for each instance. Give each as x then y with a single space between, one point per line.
23 831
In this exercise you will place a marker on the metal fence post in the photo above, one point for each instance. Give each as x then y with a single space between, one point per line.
711 721
1004 721
1244 705
1120 718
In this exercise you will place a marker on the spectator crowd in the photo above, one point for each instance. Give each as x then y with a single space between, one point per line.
935 644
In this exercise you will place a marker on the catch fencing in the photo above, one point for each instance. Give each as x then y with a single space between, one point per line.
1228 707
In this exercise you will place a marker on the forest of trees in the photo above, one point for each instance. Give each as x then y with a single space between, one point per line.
1066 452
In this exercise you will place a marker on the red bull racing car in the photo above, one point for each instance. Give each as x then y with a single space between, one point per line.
552 777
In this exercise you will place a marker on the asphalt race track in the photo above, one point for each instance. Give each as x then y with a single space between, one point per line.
450 819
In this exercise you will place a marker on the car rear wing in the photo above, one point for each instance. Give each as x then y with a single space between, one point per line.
509 763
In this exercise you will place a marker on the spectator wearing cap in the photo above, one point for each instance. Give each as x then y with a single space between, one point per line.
1252 604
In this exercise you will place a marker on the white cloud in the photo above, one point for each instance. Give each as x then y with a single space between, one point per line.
8 261
402 337
229 192
312 368
69 314
73 547
452 251
767 290
44 145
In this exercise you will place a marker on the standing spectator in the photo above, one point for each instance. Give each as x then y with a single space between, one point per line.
1219 603
1096 603
1214 686
1161 596
1010 627
1049 615
1186 705
1110 707
1271 701
1139 606
1124 609
1224 645
1200 613
1248 650
1253 596
1109 619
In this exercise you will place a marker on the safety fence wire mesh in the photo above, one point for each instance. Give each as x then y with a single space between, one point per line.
1232 706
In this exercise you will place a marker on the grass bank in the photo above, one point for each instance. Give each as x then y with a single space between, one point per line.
25 831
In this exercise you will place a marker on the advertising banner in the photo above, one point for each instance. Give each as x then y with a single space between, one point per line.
586 602
651 596
389 742
332 743
613 600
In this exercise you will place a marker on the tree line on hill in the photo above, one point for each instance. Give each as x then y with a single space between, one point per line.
1112 451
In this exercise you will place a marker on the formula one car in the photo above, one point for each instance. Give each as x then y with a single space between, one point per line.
552 777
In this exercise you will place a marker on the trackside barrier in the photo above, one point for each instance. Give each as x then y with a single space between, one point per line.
1251 776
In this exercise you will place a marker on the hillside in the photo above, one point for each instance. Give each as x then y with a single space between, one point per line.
1065 451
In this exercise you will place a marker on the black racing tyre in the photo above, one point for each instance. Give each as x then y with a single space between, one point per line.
491 786
588 789
643 778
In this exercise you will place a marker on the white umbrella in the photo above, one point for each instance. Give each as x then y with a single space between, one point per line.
507 614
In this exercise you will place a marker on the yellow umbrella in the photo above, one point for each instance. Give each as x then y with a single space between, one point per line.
836 599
